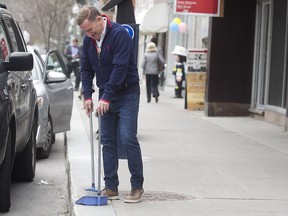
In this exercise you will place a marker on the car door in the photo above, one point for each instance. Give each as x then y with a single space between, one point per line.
60 91
23 82
6 84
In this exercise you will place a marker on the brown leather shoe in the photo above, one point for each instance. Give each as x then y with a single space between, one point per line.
112 195
134 196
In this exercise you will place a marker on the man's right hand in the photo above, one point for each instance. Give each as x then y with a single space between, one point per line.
89 106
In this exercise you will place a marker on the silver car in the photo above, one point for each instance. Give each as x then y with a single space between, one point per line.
54 97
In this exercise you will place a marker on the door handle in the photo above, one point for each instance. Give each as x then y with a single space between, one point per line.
30 79
24 86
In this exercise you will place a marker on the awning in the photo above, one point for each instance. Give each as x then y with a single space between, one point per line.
140 16
154 20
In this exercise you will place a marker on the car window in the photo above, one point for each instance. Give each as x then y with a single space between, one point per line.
37 70
5 50
54 63
21 41
40 63
12 35
16 41
38 66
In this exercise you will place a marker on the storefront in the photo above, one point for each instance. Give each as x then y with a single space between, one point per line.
269 93
247 61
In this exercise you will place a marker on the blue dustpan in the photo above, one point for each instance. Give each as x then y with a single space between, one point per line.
92 200
98 199
92 189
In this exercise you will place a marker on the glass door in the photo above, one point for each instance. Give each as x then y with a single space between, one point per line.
261 55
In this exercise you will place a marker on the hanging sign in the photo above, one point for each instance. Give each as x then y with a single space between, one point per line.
129 29
199 7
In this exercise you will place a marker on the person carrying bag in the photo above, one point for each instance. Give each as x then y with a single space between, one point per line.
152 65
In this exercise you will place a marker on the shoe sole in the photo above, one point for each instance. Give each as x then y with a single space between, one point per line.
132 201
113 197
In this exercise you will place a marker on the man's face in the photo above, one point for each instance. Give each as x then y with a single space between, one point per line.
94 28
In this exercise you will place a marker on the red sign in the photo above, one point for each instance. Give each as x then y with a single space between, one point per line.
198 7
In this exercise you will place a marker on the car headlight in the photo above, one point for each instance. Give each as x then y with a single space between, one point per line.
40 101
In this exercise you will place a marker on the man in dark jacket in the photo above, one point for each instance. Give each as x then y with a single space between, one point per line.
72 54
108 53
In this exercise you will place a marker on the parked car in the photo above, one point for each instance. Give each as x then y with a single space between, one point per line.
18 108
54 96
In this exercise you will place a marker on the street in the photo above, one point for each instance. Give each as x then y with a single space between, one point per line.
47 195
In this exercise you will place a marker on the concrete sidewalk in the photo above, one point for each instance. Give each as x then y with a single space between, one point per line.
193 165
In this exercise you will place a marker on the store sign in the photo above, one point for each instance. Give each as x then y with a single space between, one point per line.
199 7
196 60
129 29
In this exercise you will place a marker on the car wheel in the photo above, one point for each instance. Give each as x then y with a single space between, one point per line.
44 152
5 178
24 168
53 138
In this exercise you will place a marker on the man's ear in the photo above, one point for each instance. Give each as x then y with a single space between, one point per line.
98 18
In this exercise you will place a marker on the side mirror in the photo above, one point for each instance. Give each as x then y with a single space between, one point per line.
54 77
19 61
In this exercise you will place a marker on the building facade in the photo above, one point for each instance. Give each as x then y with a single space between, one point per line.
247 53
247 61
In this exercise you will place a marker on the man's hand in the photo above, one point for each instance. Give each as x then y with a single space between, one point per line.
102 107
88 106
76 56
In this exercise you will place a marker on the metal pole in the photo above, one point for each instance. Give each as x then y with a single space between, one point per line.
92 151
99 154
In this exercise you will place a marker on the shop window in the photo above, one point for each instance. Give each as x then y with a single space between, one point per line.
278 70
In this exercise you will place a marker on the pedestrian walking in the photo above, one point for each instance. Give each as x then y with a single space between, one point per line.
180 54
150 64
162 75
73 54
108 53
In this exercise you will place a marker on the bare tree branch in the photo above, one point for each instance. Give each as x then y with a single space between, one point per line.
46 21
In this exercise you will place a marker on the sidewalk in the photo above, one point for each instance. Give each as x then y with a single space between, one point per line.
193 165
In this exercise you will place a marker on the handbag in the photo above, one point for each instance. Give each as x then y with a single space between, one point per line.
161 65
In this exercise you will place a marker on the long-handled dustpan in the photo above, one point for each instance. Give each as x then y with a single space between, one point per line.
98 199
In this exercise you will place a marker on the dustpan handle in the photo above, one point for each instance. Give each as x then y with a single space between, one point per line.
99 154
92 151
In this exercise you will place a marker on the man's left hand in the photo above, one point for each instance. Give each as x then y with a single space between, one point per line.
102 107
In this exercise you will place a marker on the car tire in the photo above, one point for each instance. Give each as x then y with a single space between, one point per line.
5 178
24 168
53 138
44 152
